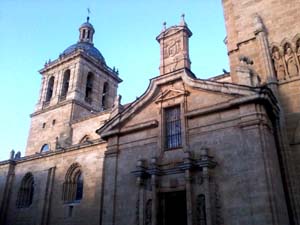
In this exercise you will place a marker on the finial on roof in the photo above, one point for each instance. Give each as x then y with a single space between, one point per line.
164 26
89 12
182 22
12 154
258 24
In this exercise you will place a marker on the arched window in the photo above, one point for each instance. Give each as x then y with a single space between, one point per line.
45 148
65 85
73 185
26 191
50 89
89 87
104 96
79 187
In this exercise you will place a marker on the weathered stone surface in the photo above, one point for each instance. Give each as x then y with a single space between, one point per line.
238 160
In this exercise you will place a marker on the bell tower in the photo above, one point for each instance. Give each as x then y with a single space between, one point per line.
74 86
174 47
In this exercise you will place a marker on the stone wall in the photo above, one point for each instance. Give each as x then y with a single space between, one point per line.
279 18
49 173
245 187
45 127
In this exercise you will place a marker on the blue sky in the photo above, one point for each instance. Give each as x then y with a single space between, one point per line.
34 31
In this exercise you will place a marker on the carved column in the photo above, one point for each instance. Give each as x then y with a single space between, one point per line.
42 90
189 204
110 182
205 171
78 77
48 196
154 191
141 193
207 196
297 60
297 53
140 203
154 199
57 85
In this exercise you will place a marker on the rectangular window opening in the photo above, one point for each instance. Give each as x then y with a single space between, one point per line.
172 128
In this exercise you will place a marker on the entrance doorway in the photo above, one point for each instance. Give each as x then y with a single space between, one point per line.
172 208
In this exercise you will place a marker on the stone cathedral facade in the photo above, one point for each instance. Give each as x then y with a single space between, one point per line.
189 151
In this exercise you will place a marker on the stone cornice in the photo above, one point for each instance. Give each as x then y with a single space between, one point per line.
80 53
97 114
143 171
53 153
172 30
258 97
62 103
238 91
133 128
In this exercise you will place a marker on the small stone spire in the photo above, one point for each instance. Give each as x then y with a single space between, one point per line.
258 24
182 22
12 154
164 26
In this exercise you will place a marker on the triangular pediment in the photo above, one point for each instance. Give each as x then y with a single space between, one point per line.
202 94
173 30
170 94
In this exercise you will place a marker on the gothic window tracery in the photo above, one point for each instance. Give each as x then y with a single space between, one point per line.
26 191
73 185
278 63
298 49
286 58
290 60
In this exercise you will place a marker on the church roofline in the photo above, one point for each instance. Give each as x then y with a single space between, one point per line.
245 93
78 53
176 28
218 77
60 104
39 155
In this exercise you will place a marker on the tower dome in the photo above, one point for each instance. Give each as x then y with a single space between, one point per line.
85 42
